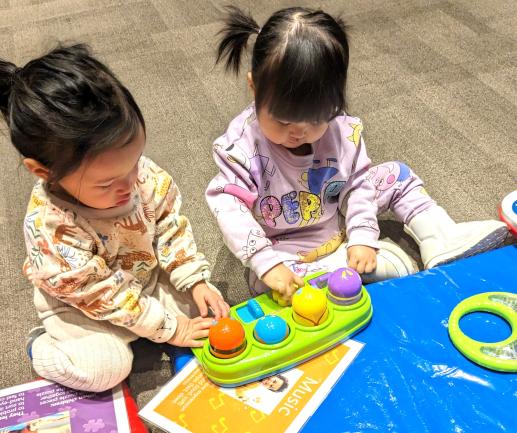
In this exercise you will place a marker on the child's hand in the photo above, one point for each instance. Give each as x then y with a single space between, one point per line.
205 297
189 330
283 281
362 258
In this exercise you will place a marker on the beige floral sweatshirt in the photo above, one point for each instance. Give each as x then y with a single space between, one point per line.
106 262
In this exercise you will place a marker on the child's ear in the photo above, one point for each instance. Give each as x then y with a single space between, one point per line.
36 168
250 82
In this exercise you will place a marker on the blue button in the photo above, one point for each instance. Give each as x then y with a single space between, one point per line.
271 329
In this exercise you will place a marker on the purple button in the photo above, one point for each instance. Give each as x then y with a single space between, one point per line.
344 283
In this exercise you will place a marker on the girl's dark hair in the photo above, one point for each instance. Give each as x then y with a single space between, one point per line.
299 63
66 106
285 383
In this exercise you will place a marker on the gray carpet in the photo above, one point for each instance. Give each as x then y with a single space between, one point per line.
435 83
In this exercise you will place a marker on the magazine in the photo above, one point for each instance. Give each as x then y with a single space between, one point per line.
46 407
280 403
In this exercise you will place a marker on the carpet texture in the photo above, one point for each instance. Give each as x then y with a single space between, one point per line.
435 83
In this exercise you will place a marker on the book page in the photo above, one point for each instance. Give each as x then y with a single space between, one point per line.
190 402
47 407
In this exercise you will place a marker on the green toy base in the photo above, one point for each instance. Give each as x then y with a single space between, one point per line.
260 360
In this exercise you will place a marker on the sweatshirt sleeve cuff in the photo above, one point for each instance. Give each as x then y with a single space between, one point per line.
155 323
263 261
369 238
188 274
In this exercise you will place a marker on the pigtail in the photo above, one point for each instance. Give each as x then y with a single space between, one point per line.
234 37
341 23
8 72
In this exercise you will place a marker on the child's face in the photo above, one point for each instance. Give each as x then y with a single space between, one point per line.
106 181
287 134
273 383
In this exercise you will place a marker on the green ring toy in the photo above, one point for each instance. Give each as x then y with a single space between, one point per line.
502 355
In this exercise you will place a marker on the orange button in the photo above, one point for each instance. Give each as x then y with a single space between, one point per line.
226 335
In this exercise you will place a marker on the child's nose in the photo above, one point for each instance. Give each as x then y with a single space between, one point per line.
127 185
298 129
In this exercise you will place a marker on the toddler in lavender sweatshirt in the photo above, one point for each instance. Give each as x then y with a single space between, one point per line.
296 191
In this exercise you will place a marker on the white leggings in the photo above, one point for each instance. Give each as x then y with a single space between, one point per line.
90 355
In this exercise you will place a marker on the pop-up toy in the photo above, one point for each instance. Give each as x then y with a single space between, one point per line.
261 338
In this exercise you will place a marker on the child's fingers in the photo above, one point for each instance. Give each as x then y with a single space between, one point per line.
370 267
224 308
299 281
195 343
283 301
202 323
280 287
352 261
219 307
203 308
374 262
216 311
203 333
293 287
359 267
275 295
214 307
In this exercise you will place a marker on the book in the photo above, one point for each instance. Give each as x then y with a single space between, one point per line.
191 403
46 407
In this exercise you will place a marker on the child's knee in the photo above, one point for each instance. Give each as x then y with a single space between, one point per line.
388 174
105 378
94 366
110 366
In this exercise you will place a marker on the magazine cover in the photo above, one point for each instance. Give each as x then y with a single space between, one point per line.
46 407
279 403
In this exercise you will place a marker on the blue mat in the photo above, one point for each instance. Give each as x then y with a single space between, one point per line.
409 377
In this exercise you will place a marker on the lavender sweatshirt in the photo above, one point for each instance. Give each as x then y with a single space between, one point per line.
273 206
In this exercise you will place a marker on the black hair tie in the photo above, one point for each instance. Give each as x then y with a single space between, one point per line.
15 73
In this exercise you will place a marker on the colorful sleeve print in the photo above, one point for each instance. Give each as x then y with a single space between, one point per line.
232 195
175 246
357 198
